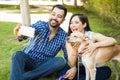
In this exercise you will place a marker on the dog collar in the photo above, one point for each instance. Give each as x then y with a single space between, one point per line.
81 53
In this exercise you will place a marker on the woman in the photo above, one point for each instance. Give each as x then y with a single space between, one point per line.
79 22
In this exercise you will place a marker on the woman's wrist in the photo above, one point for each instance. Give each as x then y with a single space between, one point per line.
73 54
74 67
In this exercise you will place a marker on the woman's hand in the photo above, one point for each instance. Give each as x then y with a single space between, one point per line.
75 45
70 74
89 48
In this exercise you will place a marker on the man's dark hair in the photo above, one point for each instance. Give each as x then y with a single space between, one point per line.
61 7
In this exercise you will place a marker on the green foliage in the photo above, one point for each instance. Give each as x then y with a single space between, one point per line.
9 7
108 10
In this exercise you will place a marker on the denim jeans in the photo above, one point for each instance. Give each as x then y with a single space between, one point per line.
103 73
25 68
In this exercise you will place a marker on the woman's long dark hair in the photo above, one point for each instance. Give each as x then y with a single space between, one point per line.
83 18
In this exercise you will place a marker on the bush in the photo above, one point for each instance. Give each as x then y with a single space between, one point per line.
108 10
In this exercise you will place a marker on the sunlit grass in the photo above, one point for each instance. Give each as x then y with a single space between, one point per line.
9 43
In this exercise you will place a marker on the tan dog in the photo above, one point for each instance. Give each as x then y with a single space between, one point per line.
98 58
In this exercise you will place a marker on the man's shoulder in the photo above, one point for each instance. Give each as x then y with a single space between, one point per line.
41 22
63 31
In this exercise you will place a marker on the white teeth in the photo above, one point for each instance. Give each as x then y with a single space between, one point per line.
53 21
74 29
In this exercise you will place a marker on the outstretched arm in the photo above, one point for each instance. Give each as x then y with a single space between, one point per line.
16 33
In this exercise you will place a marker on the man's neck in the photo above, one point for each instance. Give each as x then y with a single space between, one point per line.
53 31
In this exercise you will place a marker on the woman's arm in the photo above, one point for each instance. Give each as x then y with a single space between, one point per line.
72 55
99 40
103 41
72 59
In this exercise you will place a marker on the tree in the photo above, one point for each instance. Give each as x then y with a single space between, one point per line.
63 2
84 1
25 12
75 3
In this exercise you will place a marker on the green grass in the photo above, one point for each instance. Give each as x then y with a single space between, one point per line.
5 49
9 43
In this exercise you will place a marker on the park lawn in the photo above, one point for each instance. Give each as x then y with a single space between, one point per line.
8 44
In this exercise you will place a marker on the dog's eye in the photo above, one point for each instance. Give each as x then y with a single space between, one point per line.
75 36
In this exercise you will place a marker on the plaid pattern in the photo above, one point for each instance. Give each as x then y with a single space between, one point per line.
40 48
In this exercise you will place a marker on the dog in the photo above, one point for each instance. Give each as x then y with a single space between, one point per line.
99 56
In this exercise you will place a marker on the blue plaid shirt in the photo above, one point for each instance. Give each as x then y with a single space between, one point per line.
40 48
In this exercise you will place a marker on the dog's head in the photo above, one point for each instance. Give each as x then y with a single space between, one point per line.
76 37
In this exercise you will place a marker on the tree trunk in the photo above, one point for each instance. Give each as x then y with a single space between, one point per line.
63 2
25 12
75 3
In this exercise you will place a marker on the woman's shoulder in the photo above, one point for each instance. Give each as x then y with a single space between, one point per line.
88 33
91 33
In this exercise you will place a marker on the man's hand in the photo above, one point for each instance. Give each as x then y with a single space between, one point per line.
16 30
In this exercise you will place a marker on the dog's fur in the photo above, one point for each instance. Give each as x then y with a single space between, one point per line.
98 58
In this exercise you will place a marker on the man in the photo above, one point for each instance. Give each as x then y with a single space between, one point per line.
38 59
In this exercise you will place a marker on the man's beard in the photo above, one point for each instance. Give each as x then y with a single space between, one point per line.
56 25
